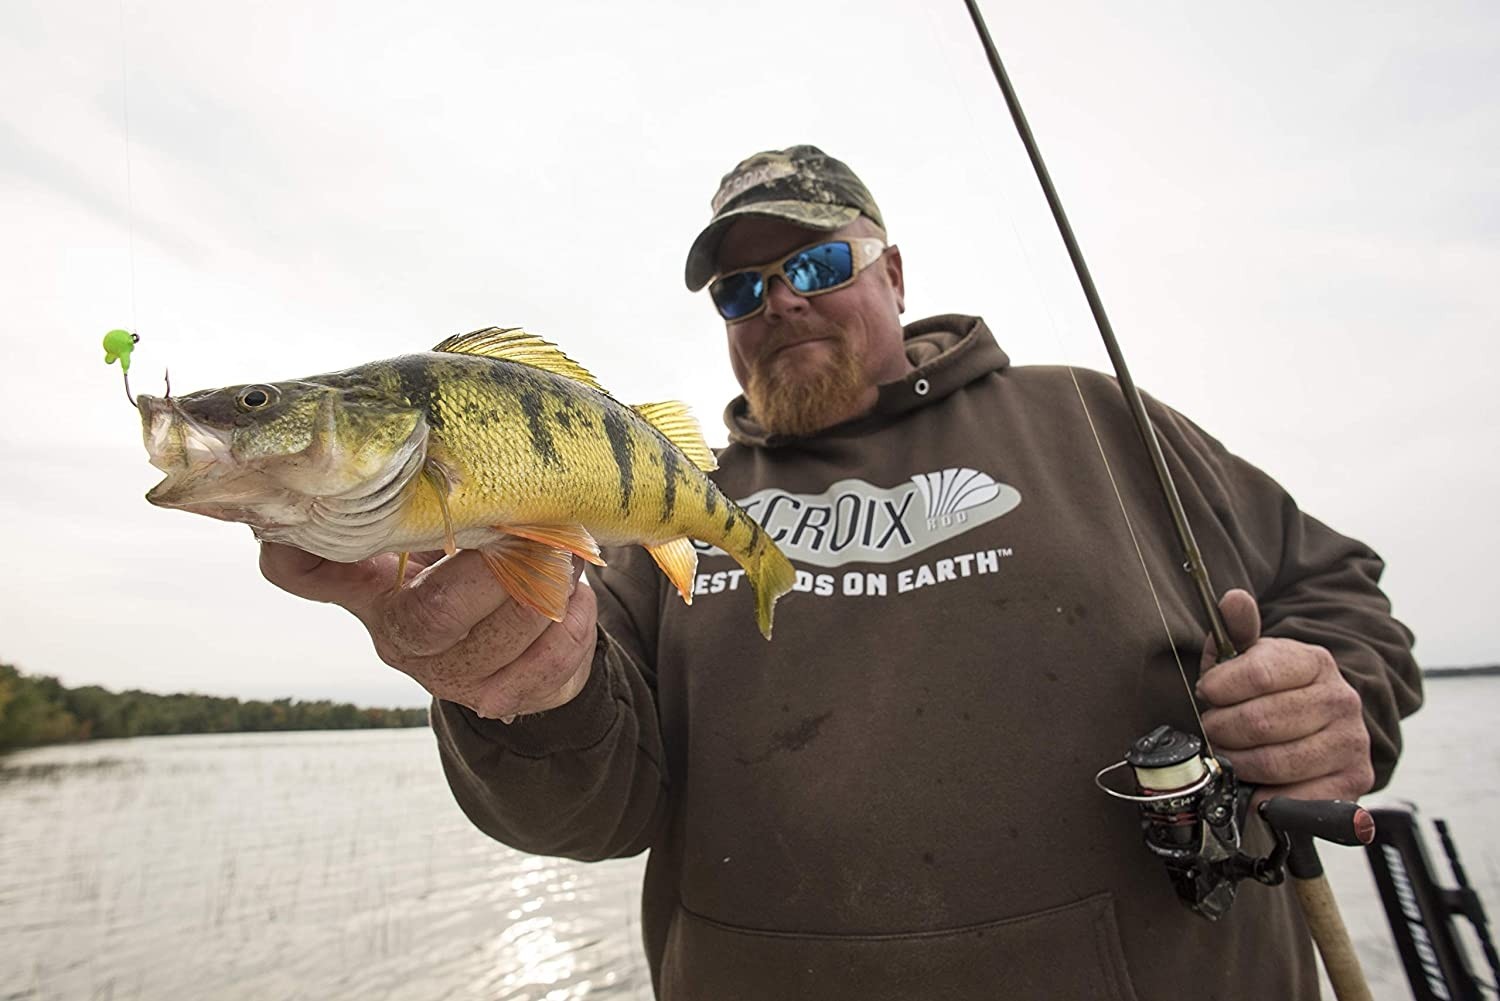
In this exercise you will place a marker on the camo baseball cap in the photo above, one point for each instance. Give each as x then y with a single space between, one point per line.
800 184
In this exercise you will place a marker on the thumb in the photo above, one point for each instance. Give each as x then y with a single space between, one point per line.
1241 618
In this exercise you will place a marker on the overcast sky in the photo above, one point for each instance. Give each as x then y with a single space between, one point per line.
1290 210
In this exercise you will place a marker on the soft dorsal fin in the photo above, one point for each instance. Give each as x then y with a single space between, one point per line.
681 428
515 344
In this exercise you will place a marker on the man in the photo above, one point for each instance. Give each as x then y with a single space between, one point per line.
893 798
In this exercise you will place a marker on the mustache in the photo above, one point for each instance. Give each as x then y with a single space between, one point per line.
795 332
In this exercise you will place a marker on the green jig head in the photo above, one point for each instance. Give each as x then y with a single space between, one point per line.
117 345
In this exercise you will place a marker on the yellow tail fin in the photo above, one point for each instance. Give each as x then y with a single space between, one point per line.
771 574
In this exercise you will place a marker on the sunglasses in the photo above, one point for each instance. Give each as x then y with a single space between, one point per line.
808 271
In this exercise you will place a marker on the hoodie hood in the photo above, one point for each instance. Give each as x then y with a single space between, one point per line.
948 352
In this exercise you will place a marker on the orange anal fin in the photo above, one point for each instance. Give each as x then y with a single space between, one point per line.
538 576
574 538
401 571
679 561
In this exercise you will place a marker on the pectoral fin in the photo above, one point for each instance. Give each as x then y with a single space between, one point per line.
574 538
437 477
679 561
538 576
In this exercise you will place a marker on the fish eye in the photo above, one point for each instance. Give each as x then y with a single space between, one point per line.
255 397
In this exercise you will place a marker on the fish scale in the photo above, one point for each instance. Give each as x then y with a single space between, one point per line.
561 469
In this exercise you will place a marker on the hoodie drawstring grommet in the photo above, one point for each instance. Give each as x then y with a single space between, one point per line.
920 387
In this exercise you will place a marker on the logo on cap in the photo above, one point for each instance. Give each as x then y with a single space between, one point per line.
763 173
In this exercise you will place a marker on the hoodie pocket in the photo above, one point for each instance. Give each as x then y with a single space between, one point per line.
1071 951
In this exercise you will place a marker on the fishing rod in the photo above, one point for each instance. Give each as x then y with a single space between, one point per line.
1190 802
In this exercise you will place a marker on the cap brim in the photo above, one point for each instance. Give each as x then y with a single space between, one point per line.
700 260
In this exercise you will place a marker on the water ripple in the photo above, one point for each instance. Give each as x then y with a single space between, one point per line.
336 865
273 866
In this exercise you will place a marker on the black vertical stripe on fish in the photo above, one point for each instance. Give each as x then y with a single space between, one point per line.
533 405
710 499
618 433
568 413
506 376
420 389
671 469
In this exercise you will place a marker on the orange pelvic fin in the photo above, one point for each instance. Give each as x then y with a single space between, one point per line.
538 576
679 561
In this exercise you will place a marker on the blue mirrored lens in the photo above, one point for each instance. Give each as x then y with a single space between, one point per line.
820 267
737 295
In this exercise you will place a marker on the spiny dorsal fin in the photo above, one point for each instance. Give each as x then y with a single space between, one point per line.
515 344
681 428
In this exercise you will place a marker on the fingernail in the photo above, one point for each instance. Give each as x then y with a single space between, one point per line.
507 720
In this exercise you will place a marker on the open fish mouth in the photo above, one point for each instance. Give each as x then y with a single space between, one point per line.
176 442
196 459
323 481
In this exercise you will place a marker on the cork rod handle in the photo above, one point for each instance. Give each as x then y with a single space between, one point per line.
1332 939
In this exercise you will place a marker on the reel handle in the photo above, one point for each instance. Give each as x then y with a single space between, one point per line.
1336 820
1296 822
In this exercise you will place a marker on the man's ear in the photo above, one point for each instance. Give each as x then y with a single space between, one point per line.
891 261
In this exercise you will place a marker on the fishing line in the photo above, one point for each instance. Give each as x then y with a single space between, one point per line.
129 179
1061 344
119 343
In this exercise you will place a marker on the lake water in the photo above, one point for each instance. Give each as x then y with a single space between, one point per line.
335 865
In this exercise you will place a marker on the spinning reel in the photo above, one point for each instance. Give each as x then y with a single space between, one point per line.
1193 811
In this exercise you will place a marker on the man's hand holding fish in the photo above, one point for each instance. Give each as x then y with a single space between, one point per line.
453 628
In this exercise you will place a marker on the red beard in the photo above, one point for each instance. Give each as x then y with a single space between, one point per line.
797 397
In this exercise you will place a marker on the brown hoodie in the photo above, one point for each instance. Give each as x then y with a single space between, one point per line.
894 797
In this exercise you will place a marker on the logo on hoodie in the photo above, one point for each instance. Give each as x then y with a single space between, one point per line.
857 522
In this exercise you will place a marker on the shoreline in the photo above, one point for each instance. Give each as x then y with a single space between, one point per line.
1480 671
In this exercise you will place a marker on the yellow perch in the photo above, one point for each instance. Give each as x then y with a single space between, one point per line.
494 440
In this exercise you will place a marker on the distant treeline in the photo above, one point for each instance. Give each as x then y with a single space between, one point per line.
1462 672
41 710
